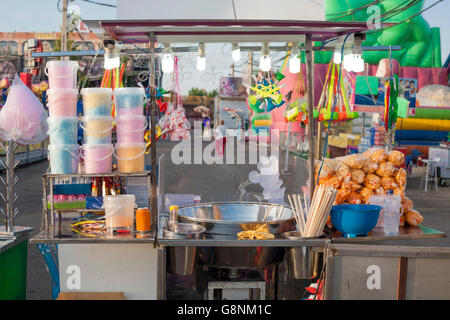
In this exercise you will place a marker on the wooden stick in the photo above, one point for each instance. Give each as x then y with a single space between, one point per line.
300 218
321 218
299 198
328 203
300 226
267 212
318 194
293 211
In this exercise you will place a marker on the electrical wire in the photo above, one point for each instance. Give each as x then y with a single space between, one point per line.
352 11
332 109
396 24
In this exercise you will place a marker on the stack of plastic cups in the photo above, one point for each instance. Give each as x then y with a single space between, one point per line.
63 121
131 126
97 124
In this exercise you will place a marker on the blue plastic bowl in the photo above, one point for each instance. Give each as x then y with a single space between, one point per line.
355 219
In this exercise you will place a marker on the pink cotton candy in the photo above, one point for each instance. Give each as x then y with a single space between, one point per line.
23 118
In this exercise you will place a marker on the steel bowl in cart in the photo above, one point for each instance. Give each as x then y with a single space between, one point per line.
223 220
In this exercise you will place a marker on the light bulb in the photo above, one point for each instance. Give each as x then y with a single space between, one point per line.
201 59
236 52
201 63
265 63
348 62
358 63
167 63
236 55
111 60
294 64
337 57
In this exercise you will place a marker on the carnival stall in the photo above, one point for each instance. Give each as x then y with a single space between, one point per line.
175 246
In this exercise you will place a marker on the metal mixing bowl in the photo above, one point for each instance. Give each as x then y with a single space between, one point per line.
227 218
223 220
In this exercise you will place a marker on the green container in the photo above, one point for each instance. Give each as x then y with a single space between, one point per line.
13 271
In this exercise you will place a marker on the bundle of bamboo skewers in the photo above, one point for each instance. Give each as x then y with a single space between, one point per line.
311 221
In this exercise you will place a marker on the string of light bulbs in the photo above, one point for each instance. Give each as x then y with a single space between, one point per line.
350 57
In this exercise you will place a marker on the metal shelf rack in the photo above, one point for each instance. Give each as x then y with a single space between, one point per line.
48 179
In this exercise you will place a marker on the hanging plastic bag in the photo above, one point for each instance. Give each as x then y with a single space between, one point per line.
179 125
23 118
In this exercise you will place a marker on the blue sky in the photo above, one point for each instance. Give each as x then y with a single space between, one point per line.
43 16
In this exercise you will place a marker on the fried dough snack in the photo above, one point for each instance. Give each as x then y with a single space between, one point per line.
342 195
365 194
260 232
378 155
358 176
343 172
388 183
400 178
372 181
413 218
370 166
354 198
399 192
397 158
401 222
354 161
333 181
407 204
351 185
385 169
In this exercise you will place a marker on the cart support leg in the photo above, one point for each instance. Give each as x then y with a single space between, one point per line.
402 278
152 87
310 99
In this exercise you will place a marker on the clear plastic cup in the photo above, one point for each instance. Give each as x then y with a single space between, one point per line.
119 212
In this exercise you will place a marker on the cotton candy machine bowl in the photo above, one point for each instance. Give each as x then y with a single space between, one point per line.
225 219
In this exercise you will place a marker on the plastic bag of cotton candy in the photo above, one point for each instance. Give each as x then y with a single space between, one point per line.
23 118
268 178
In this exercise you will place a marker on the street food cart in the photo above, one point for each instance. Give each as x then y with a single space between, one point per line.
215 264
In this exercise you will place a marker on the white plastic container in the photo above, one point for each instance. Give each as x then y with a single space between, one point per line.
389 218
62 102
97 101
119 212
62 74
64 158
130 157
131 129
97 129
97 158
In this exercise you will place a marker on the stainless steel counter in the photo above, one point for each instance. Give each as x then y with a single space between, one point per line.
7 242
